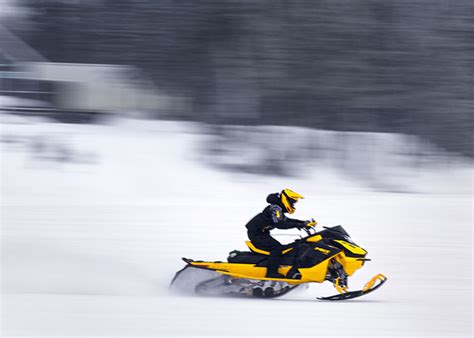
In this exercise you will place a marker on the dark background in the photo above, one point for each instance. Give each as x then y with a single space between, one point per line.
384 66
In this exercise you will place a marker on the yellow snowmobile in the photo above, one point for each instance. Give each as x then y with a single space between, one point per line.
329 255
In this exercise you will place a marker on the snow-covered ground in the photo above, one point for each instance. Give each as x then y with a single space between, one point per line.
95 220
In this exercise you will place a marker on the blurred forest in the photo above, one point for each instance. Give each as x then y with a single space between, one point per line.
384 66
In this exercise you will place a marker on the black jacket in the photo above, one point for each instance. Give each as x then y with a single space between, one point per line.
273 216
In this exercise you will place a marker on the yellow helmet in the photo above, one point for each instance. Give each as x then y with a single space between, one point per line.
289 198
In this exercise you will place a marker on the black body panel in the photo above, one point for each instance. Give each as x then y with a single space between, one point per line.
310 255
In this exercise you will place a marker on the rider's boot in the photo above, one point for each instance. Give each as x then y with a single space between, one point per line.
274 274
293 273
273 264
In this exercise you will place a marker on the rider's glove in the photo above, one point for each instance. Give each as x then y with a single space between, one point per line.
310 223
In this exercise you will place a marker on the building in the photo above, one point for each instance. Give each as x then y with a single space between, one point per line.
40 85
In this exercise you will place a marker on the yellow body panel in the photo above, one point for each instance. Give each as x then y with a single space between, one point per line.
260 251
315 273
350 264
314 239
324 251
351 247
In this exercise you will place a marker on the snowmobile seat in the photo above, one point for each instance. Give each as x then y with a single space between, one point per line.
253 248
245 257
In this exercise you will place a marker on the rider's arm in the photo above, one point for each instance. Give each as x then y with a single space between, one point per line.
295 223
280 221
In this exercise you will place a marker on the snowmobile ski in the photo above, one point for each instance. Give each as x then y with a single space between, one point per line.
368 288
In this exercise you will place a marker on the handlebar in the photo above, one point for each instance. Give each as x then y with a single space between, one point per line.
309 231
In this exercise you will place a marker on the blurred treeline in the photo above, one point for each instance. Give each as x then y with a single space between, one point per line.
389 66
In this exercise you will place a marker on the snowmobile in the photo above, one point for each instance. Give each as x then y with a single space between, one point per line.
327 255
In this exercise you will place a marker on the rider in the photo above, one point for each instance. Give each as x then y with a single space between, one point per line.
273 216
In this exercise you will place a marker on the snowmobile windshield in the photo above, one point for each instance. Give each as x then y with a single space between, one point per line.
339 231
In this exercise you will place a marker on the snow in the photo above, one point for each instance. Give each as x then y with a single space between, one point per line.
95 220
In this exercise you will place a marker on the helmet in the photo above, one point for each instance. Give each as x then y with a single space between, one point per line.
288 199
